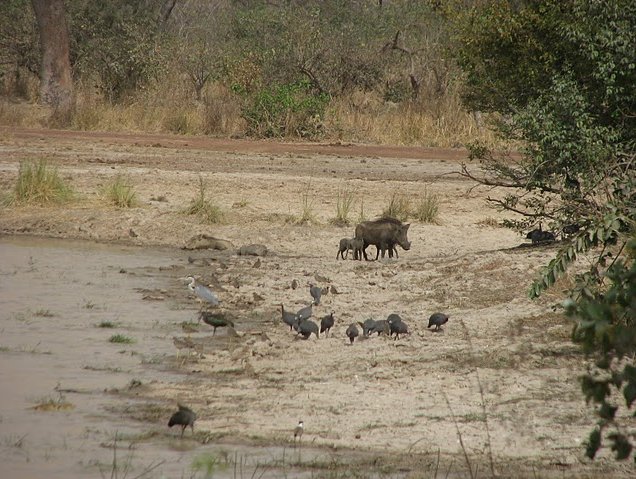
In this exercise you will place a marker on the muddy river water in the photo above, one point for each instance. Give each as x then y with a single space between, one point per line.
61 303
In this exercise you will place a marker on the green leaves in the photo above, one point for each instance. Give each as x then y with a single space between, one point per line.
561 76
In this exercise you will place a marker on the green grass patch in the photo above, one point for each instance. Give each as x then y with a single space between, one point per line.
204 208
120 192
39 184
107 325
121 339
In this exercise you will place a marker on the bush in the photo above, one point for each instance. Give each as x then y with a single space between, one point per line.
39 184
285 110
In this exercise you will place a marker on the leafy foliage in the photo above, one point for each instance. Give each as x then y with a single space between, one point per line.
116 42
285 110
558 77
19 48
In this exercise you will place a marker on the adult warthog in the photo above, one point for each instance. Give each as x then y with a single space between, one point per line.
384 234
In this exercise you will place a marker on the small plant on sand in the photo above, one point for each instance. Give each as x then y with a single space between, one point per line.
53 404
362 216
399 207
204 208
121 339
427 209
207 463
307 214
120 192
39 184
344 201
106 324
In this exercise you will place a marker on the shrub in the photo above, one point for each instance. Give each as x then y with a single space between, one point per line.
285 110
39 184
121 193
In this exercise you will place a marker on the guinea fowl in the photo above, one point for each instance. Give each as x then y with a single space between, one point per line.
304 313
306 327
316 293
326 323
397 326
352 332
437 319
184 417
288 318
381 326
367 327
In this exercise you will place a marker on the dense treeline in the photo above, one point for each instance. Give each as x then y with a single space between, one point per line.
311 69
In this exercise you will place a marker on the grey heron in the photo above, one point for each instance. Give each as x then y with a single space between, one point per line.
203 293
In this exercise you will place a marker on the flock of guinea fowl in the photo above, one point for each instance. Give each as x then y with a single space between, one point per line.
304 327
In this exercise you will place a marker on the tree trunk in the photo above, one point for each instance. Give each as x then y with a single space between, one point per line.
56 81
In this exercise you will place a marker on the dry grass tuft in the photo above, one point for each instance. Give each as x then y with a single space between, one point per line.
39 184
427 209
399 207
307 213
204 208
120 192
344 202
51 404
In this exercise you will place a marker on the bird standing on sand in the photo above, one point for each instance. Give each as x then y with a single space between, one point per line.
316 293
367 327
304 313
326 323
298 431
397 326
352 332
306 327
215 320
437 319
184 417
288 318
381 326
204 294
